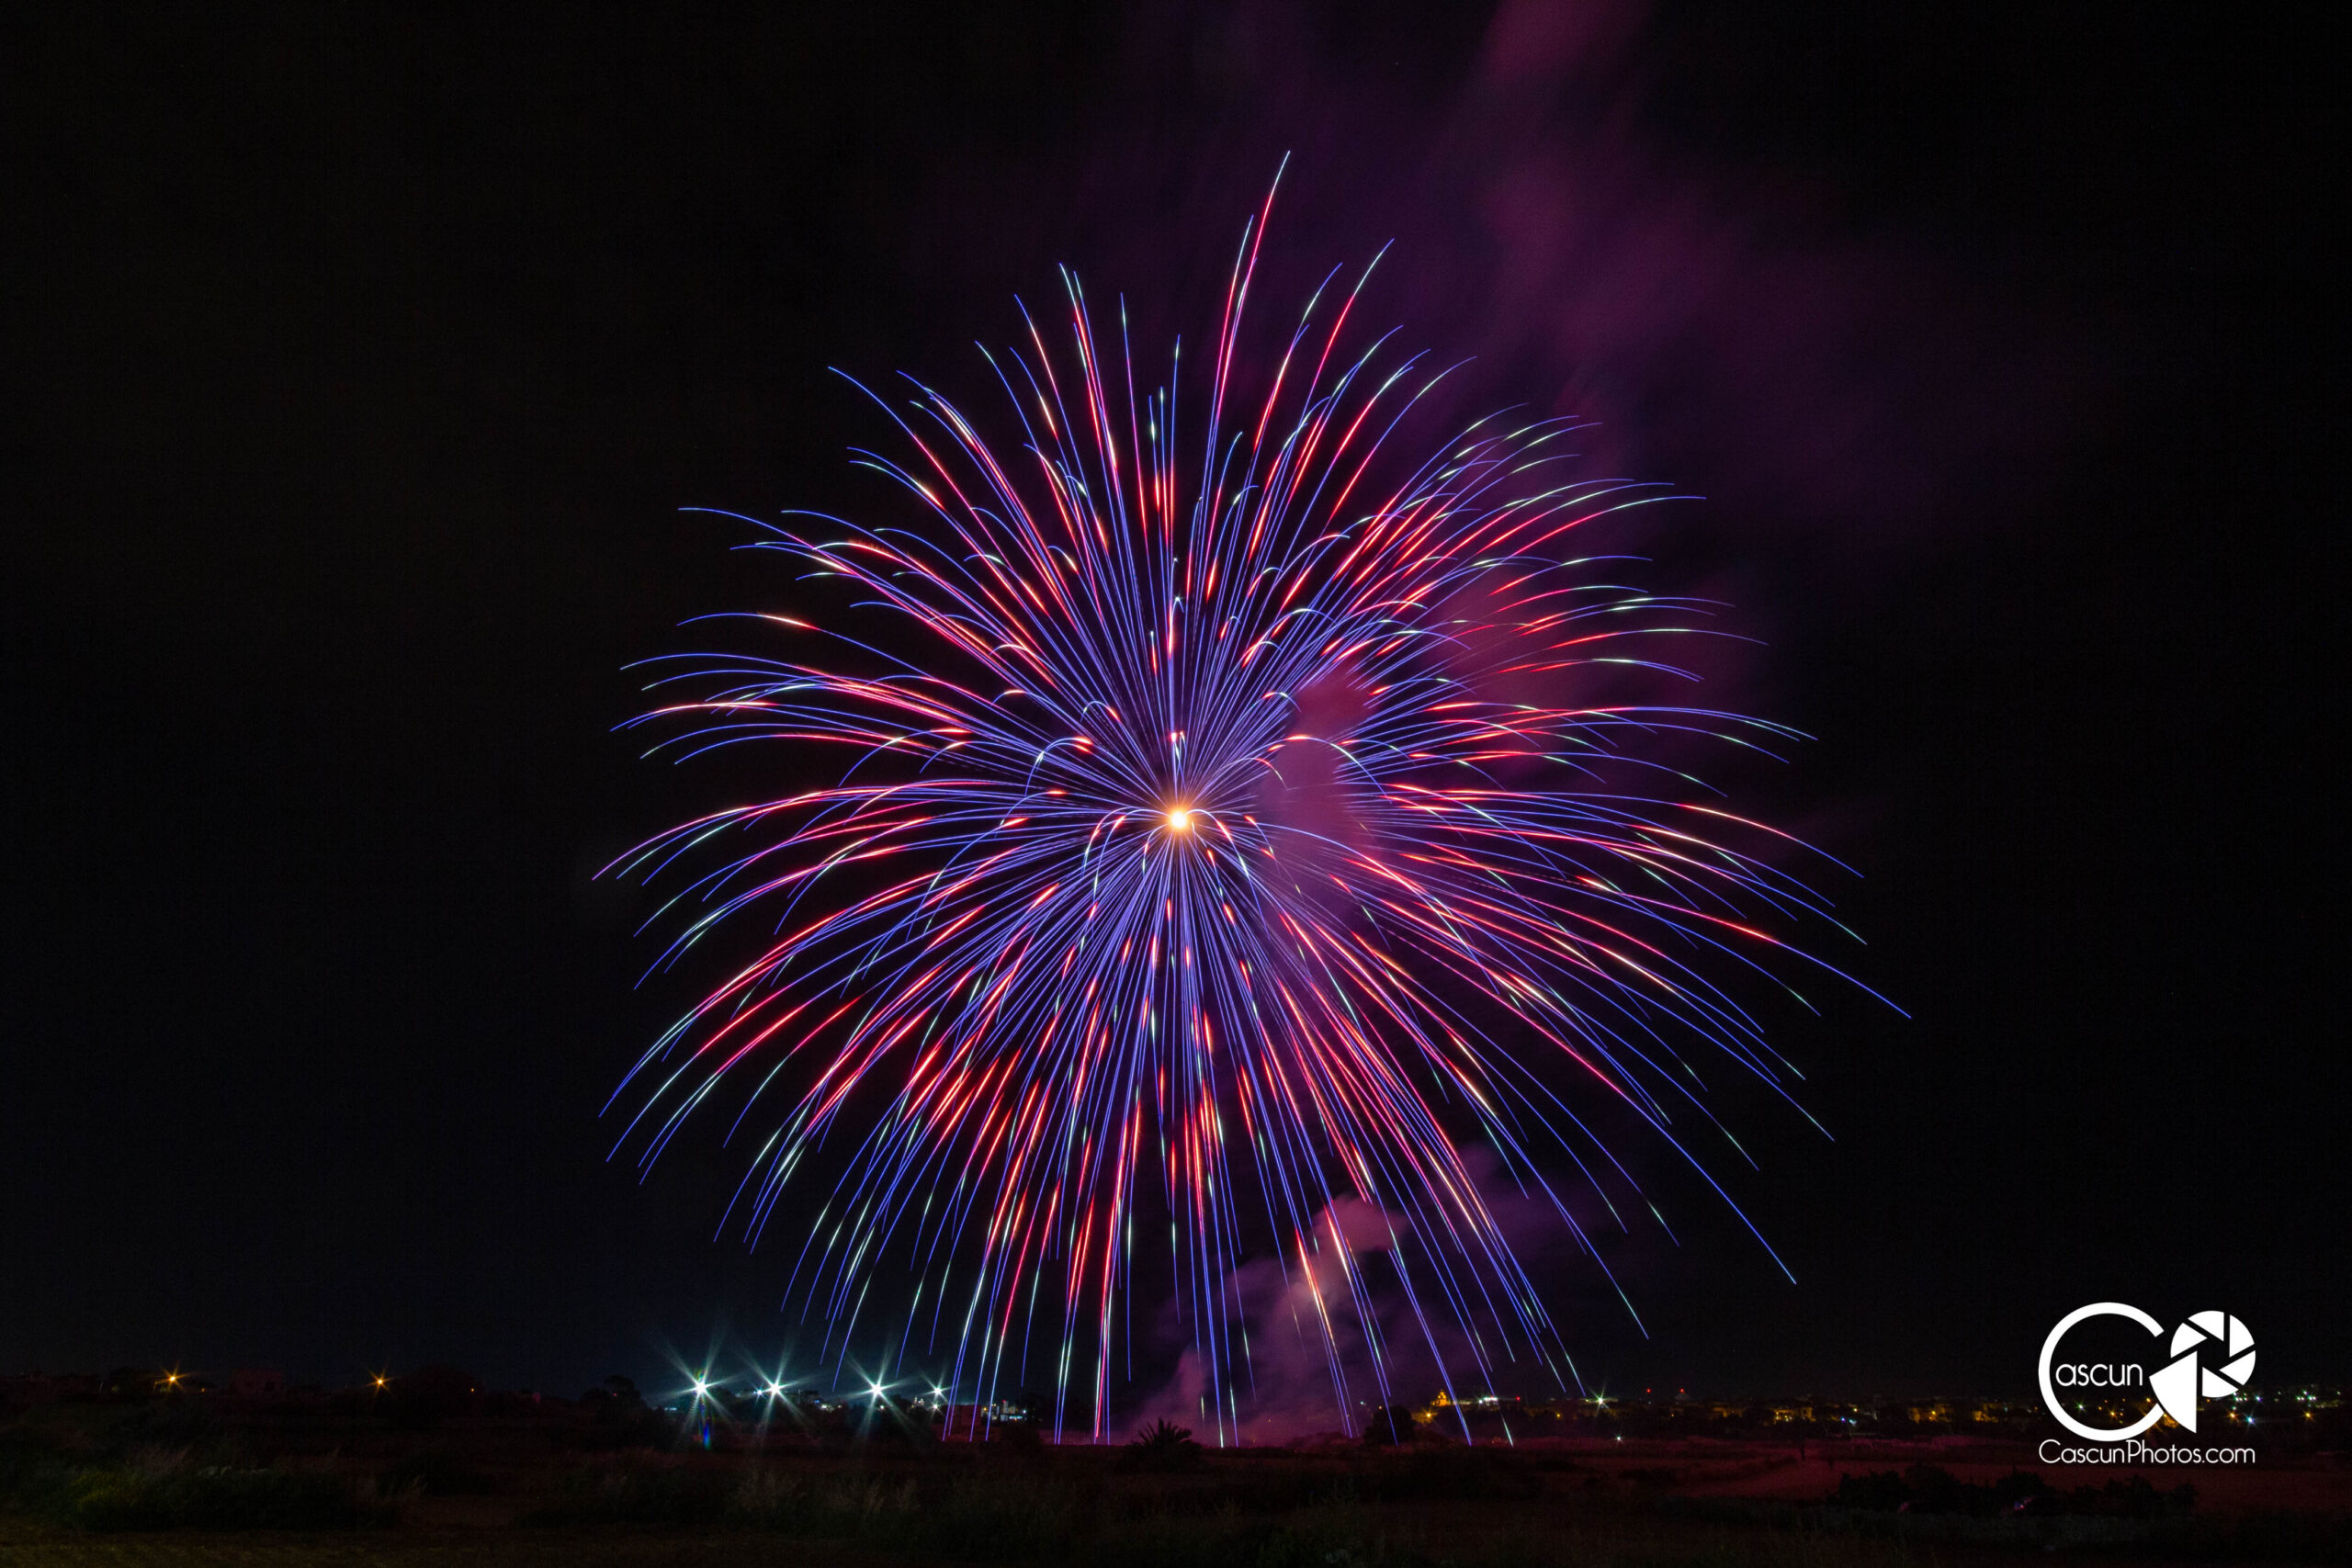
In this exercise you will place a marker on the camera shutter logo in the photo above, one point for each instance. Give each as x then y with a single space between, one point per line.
2176 1386
2213 1334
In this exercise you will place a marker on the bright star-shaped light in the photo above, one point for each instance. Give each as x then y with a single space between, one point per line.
1180 819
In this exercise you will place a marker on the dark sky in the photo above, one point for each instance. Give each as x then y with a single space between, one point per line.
362 364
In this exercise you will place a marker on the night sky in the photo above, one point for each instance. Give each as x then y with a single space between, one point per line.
363 363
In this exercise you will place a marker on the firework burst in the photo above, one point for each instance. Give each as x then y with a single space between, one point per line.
1203 851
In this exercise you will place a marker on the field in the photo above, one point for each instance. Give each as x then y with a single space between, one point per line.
103 1490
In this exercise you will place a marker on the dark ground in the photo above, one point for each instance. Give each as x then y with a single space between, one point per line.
173 1482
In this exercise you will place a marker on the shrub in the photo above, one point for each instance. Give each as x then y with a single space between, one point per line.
1161 1447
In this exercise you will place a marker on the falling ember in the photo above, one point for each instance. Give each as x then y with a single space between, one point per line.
1418 910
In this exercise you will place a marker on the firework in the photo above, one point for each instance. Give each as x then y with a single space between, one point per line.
1205 854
